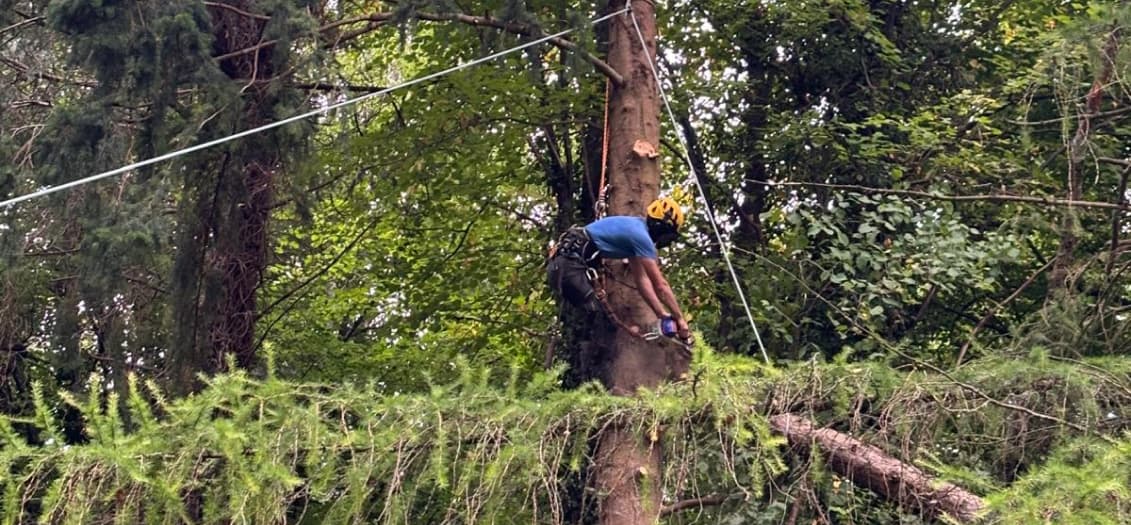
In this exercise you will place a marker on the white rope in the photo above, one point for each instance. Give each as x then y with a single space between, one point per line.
695 177
302 116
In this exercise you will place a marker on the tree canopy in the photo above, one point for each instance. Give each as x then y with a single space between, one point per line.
347 318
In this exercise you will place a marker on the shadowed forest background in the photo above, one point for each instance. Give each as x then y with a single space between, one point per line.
346 319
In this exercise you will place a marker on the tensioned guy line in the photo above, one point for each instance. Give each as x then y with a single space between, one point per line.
695 177
295 118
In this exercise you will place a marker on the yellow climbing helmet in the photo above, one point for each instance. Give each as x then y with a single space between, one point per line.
666 209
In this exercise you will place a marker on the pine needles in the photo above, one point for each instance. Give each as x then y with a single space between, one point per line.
245 450
272 451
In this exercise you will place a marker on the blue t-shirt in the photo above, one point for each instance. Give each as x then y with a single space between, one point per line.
621 237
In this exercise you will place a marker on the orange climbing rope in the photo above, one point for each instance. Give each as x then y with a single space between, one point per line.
601 207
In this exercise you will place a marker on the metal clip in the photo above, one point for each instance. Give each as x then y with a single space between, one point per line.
592 274
601 207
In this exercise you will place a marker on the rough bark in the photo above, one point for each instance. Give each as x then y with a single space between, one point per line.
1065 254
627 464
867 466
241 256
223 253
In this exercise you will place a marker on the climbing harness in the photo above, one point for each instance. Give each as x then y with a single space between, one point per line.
576 241
571 268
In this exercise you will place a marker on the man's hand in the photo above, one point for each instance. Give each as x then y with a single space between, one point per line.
682 330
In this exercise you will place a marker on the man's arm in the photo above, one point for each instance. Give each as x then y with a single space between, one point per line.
644 284
655 289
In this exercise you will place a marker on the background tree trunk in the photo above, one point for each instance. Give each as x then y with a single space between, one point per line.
224 247
1077 147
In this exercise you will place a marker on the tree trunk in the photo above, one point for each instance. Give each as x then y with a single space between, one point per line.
1066 251
628 466
869 467
223 250
241 256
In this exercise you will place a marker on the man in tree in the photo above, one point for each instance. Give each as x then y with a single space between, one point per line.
575 260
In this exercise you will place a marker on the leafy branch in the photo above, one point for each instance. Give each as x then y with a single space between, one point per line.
377 21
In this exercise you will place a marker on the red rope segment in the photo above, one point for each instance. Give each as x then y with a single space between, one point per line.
600 207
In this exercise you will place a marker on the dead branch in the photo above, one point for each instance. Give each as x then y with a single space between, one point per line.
928 366
1069 241
520 29
991 312
26 71
326 86
870 467
306 282
237 10
697 503
21 23
1117 217
482 320
1095 115
1118 162
1006 405
51 253
28 103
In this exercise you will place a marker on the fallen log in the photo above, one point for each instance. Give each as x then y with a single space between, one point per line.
867 466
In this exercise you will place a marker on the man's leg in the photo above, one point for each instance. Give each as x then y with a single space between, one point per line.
568 276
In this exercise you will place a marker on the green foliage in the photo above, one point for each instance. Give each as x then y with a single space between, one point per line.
1084 482
478 450
273 450
892 253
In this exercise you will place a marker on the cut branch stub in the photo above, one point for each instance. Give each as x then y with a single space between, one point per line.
644 149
